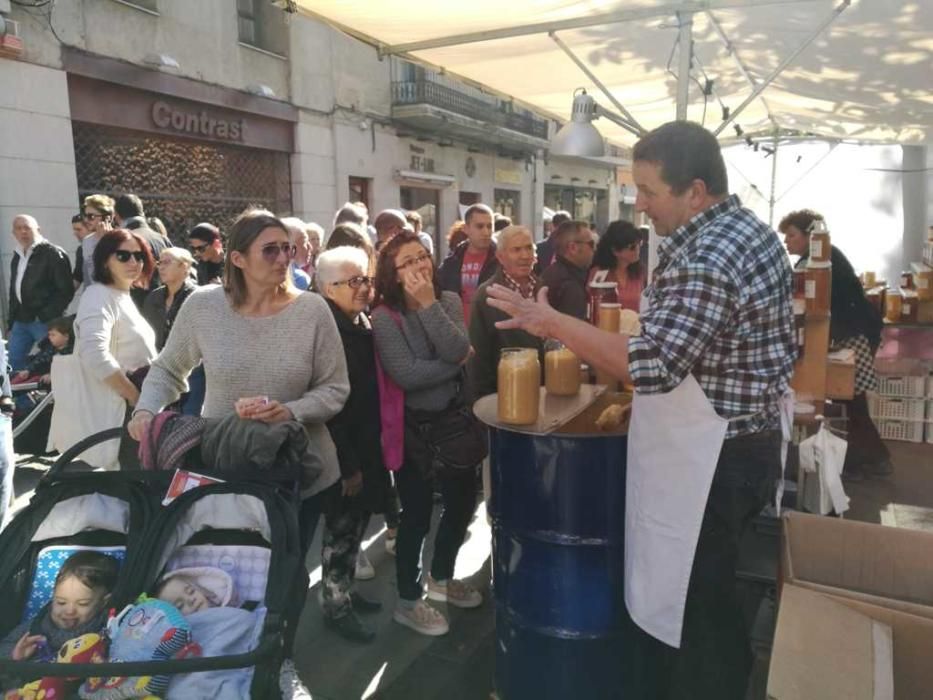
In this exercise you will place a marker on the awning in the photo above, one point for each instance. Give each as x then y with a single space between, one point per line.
865 75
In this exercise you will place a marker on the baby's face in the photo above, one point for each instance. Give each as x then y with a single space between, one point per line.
74 604
184 595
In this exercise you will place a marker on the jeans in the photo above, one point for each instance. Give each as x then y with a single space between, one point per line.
193 401
715 658
23 335
7 468
458 489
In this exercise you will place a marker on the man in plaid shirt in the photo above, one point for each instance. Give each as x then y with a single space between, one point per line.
719 309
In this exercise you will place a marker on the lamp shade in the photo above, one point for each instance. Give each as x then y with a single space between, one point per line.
579 137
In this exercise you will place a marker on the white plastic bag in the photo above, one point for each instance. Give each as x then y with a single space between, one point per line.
822 458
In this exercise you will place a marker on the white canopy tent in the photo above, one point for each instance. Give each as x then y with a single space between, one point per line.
842 69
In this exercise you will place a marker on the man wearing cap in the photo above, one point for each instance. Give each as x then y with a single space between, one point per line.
207 248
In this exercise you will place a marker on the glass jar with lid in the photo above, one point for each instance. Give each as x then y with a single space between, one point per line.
519 380
561 369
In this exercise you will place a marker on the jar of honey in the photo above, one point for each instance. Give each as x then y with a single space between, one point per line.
893 303
561 369
599 293
907 279
519 378
819 281
820 247
869 279
909 306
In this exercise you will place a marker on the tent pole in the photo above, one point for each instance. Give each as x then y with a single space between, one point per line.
633 125
685 20
771 200
786 62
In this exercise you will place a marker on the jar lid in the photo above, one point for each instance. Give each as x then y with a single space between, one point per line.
603 285
609 305
817 265
818 226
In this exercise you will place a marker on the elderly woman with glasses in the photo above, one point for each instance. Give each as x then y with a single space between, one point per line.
423 344
270 353
343 280
112 342
163 303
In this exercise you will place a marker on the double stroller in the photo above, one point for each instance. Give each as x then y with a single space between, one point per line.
244 527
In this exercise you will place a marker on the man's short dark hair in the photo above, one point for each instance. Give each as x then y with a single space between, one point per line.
351 213
686 152
559 218
566 233
476 209
205 232
802 220
500 221
77 219
128 205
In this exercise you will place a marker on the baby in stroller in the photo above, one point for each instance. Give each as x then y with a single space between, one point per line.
196 588
82 589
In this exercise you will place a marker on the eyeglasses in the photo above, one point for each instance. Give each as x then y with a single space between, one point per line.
414 261
124 256
90 216
270 252
163 263
588 242
198 249
356 282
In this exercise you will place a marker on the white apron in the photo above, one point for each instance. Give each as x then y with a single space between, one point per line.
674 442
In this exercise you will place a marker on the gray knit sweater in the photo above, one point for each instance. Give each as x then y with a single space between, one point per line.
424 354
294 357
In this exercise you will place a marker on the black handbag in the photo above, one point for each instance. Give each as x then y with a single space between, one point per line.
453 437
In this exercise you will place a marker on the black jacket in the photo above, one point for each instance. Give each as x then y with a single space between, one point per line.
156 244
850 312
158 317
545 254
566 287
448 274
47 287
356 429
488 341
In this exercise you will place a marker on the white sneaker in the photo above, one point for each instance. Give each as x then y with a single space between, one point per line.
454 592
422 619
390 545
290 684
364 568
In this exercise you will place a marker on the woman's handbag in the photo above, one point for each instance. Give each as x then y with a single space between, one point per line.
453 437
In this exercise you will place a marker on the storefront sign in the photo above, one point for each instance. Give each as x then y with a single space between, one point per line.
509 177
194 123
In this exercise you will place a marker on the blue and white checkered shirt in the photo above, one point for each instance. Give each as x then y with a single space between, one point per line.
719 306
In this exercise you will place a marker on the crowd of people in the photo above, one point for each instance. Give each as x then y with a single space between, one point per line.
360 338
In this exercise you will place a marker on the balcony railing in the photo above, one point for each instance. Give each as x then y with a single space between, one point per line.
415 92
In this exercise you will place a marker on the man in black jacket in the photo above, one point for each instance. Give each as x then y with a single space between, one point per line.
40 288
565 279
472 262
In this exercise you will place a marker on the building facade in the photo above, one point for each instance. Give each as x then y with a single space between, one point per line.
203 108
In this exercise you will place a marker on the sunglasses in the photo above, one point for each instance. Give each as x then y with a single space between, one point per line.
197 249
271 252
124 256
88 216
356 282
414 261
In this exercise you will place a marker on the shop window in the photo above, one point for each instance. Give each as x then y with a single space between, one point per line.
509 203
183 182
262 25
359 189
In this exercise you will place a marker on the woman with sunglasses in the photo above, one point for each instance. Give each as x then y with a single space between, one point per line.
270 353
112 341
423 344
343 280
98 220
618 259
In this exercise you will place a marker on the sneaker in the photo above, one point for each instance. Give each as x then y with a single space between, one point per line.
422 619
390 545
457 593
350 627
364 568
290 684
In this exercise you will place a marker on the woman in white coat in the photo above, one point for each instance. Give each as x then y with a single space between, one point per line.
112 343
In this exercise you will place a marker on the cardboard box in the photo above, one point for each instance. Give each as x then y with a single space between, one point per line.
830 647
886 566
824 650
840 380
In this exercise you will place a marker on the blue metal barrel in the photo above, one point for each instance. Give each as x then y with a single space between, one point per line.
558 509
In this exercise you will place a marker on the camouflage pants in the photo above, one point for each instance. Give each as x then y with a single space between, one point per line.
344 526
